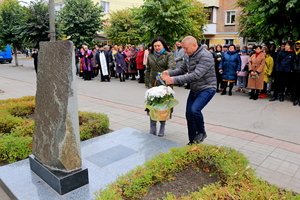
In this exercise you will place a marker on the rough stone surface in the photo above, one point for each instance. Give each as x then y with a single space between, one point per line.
56 139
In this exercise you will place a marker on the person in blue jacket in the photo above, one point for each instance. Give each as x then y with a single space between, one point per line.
284 66
229 68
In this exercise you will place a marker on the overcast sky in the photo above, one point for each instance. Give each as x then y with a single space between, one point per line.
24 2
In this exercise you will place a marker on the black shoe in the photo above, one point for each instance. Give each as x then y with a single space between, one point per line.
251 97
296 102
230 93
199 138
281 99
223 92
273 99
255 97
160 134
190 143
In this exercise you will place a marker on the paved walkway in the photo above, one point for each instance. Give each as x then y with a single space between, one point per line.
275 159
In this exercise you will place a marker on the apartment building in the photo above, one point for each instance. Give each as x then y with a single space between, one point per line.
222 27
114 5
108 5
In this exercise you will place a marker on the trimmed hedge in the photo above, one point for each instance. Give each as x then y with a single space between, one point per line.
17 127
237 179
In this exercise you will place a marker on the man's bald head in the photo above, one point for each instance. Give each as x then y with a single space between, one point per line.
189 40
190 45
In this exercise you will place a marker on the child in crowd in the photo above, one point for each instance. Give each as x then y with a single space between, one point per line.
242 75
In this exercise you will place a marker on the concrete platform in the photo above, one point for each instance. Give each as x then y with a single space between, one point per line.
106 158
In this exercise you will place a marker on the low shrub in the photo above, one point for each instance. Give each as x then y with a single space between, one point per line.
237 179
21 109
14 148
25 129
9 122
92 124
17 127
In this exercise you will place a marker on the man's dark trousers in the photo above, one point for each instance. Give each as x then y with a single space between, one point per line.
195 103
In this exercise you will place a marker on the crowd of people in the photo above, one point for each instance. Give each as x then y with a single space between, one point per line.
260 71
263 71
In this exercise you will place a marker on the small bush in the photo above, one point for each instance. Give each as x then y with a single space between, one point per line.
16 128
9 122
92 125
25 129
21 109
14 148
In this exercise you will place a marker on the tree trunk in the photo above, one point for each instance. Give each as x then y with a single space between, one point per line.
16 57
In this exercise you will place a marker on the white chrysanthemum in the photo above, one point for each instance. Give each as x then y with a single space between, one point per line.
159 91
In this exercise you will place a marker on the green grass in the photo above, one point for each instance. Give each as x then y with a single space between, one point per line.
237 179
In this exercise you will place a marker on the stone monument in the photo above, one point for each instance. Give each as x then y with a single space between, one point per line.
56 142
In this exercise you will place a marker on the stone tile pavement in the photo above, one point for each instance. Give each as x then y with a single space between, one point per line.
275 160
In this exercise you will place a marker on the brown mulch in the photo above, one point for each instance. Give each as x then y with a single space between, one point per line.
189 180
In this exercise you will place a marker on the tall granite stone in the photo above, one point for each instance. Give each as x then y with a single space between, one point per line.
56 141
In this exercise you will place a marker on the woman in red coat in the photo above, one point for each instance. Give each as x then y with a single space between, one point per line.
140 65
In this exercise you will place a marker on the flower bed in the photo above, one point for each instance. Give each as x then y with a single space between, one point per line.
17 127
236 179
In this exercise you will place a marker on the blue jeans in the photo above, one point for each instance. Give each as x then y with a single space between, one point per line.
195 103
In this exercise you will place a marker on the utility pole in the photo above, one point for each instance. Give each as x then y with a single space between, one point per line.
52 21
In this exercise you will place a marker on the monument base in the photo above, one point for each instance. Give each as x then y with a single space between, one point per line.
62 183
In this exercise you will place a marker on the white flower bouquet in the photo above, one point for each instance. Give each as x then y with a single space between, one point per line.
159 101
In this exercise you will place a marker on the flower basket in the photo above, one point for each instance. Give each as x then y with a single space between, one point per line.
160 100
160 115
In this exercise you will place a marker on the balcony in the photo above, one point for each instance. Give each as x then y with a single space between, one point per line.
210 29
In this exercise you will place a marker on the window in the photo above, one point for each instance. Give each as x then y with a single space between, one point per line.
105 6
209 13
230 18
228 41
205 41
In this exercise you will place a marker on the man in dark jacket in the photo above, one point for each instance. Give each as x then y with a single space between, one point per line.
198 69
284 66
296 75
35 56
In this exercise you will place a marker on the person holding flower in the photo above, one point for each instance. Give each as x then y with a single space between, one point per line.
198 69
159 59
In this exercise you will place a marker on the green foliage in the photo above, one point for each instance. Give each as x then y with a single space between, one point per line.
26 129
9 122
22 109
172 19
124 27
36 26
237 179
13 148
271 20
92 125
17 128
80 20
12 17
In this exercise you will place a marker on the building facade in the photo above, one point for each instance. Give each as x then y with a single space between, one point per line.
108 5
222 27
114 5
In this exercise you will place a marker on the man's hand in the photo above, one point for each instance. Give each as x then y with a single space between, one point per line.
169 80
165 75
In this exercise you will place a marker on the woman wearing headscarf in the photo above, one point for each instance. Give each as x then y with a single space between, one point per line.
159 59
